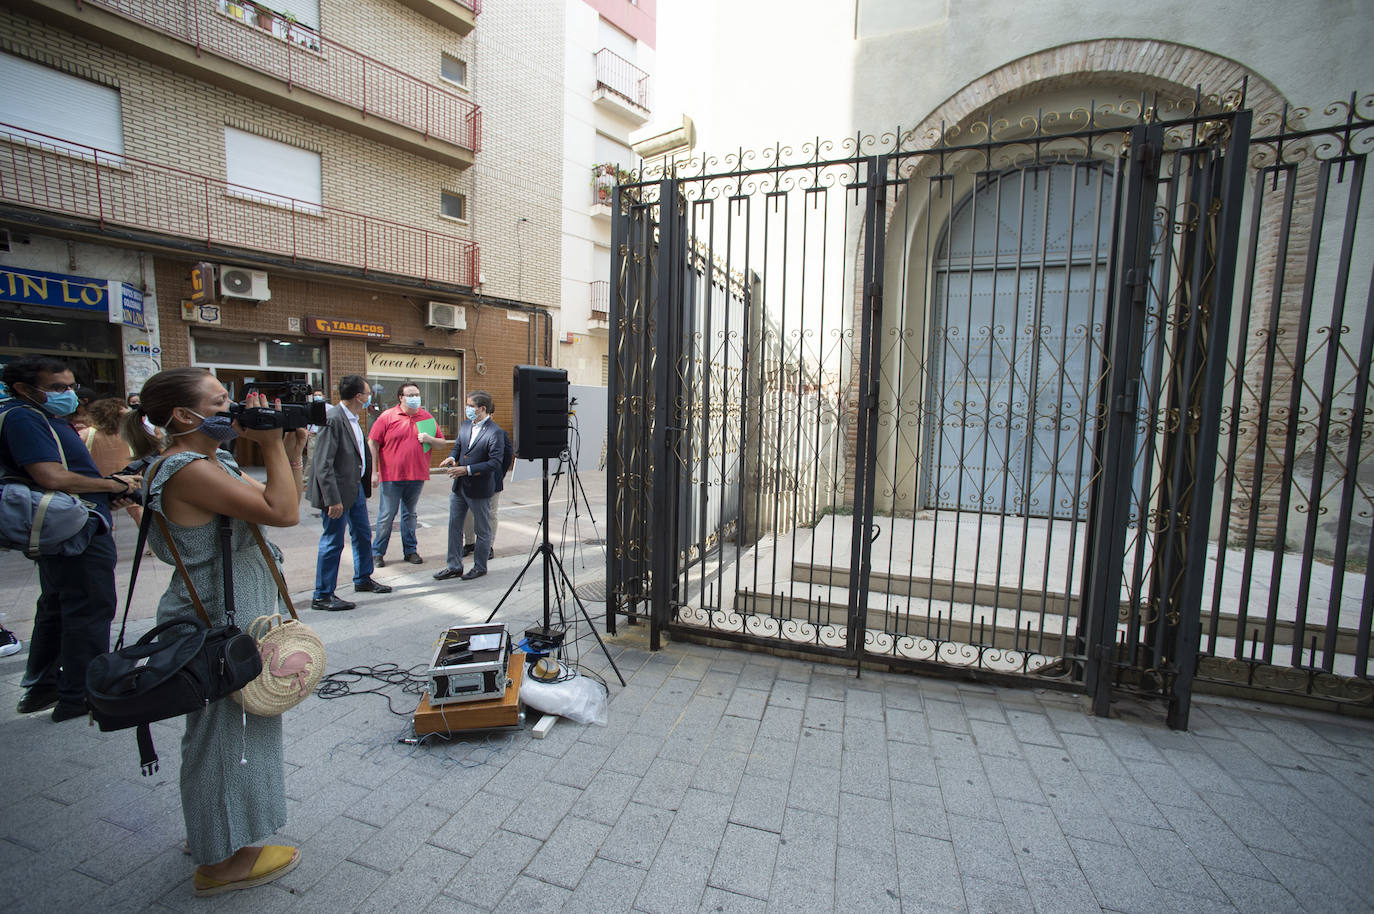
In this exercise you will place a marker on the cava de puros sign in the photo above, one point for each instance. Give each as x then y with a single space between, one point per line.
413 365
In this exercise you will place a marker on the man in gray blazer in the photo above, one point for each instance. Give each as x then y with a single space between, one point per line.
340 483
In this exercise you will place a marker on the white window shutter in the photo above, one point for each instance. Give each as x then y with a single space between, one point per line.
279 172
47 101
307 12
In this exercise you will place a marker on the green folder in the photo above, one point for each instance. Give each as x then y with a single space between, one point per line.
429 427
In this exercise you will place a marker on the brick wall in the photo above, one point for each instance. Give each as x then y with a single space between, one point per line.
514 68
490 347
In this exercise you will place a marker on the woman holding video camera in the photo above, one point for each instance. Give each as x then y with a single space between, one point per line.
232 779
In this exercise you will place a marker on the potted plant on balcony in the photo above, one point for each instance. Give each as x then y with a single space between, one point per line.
266 19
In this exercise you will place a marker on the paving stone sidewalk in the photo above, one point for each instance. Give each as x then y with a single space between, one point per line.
724 781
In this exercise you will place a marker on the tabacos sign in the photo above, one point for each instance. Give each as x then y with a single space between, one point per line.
354 329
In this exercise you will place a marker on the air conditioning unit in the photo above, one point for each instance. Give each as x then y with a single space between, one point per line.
568 337
236 282
446 316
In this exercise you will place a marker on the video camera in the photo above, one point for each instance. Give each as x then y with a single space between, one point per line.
297 410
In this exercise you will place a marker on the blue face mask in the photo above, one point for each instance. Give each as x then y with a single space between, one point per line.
470 412
412 402
61 404
217 428
367 402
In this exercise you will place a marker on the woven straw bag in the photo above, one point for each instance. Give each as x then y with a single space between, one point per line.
292 664
292 654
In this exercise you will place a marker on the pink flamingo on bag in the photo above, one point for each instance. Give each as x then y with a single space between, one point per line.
296 663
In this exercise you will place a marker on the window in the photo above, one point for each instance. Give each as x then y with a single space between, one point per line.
59 107
605 371
453 205
272 172
610 150
306 12
616 41
453 70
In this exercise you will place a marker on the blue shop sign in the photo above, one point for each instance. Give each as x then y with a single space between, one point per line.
122 303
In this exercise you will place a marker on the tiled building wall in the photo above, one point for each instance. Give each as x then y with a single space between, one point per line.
491 346
174 120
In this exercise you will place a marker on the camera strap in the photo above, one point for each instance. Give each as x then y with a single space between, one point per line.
150 516
273 567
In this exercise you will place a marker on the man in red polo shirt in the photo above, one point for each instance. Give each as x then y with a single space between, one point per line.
400 463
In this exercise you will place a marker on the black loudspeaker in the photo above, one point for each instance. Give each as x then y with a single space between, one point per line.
541 411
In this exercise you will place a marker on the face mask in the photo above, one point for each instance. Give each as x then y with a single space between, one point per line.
63 404
318 399
367 402
217 428
470 412
412 402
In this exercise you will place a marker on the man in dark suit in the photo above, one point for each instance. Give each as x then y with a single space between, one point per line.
340 483
475 467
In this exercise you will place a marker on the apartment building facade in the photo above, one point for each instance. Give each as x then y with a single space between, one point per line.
608 64
291 192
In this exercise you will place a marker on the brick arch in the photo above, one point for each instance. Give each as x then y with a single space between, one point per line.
1128 63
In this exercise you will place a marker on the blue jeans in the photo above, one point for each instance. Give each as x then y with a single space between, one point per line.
405 496
331 546
458 507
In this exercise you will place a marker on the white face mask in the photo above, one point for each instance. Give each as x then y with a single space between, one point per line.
412 402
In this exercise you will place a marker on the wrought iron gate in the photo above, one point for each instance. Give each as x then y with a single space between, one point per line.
958 402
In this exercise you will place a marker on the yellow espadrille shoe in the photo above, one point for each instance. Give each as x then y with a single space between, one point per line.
274 860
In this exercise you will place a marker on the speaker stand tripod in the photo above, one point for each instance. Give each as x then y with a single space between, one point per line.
552 563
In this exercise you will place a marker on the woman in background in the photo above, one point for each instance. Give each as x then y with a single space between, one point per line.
110 452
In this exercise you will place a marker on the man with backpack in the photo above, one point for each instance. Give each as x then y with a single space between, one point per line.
77 592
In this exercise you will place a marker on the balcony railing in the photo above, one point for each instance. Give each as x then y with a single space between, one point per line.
109 188
474 5
331 70
616 74
601 300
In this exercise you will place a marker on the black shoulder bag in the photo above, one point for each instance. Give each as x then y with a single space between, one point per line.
154 680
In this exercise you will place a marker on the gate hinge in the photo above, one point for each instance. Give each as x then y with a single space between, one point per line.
1137 281
1147 154
1125 403
875 297
872 398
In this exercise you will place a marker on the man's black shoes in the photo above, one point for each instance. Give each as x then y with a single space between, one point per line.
378 561
444 574
331 604
468 549
66 710
36 699
474 573
414 558
371 586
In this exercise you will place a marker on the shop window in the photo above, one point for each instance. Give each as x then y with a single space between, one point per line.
453 205
226 351
59 109
291 354
272 172
453 69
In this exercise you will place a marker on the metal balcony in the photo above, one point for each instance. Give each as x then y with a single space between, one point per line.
621 86
311 74
115 190
459 15
600 295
